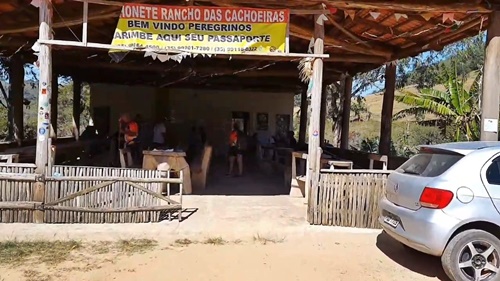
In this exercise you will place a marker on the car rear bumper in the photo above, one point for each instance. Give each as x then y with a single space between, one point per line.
424 230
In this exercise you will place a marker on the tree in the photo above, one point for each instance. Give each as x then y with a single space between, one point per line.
455 106
359 107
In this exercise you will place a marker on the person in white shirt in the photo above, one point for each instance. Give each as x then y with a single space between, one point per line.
159 133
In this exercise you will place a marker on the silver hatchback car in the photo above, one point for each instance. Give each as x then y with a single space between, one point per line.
445 201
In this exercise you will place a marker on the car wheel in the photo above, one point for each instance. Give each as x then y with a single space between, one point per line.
472 255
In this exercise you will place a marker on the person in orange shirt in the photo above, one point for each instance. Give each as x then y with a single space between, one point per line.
236 147
130 130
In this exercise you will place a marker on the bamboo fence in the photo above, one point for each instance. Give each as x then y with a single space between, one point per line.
347 198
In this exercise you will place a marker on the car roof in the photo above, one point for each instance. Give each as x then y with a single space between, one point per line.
463 148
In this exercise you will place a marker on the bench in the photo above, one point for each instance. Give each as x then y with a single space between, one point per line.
9 158
378 158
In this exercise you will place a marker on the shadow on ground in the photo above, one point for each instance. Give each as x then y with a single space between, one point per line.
415 261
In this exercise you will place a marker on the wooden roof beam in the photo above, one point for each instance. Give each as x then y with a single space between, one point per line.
460 6
306 34
436 40
105 13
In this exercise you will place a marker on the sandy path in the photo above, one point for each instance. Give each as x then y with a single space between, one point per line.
314 256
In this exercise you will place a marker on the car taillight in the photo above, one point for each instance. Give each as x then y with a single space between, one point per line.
434 198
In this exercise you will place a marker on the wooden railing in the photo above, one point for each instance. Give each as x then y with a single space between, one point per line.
347 198
75 194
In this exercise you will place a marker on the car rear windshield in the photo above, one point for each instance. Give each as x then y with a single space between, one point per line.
429 164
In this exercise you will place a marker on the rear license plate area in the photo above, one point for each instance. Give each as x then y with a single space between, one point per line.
391 219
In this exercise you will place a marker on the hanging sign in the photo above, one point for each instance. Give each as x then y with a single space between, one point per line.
223 30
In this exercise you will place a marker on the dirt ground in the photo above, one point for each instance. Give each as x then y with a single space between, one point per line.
312 256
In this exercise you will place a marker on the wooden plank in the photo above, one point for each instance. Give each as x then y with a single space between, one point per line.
18 177
112 178
25 205
79 193
122 48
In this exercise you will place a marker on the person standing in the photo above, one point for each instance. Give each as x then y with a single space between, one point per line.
130 130
237 144
159 134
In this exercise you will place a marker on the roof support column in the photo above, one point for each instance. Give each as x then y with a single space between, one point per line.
490 97
384 146
16 99
44 95
77 96
346 112
316 87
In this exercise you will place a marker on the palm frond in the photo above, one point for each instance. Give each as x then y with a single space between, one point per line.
474 88
412 111
305 69
427 104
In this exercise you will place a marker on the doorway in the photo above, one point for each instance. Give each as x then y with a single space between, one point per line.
242 119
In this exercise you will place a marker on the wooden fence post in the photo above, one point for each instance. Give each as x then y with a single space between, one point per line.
44 95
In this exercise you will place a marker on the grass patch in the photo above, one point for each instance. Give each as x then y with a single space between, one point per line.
133 246
33 275
183 242
215 241
49 252
267 240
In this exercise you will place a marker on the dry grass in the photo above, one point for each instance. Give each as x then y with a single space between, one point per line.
267 240
134 246
33 275
183 242
49 252
215 241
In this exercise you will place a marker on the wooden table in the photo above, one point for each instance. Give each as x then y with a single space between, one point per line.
176 161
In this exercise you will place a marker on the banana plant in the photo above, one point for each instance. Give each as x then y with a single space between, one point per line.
456 106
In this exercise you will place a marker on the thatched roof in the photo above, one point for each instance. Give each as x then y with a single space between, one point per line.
359 36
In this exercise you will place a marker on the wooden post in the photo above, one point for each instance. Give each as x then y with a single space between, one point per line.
77 95
44 94
16 97
53 104
304 107
491 83
384 147
346 113
322 117
316 81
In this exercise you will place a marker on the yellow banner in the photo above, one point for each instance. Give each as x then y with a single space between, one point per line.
212 30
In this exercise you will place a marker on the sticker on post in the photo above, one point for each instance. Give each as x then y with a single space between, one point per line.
44 91
42 131
315 133
490 125
41 138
